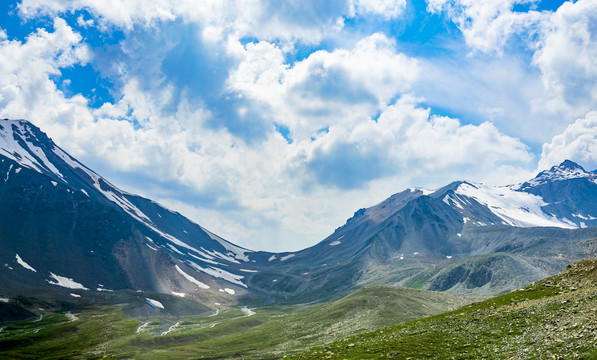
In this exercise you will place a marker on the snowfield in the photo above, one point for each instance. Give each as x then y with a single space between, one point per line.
24 264
515 208
191 279
65 282
154 303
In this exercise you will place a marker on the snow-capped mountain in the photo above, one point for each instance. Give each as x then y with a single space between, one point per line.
564 196
565 171
495 238
63 225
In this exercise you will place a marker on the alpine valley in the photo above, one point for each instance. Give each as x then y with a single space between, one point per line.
72 242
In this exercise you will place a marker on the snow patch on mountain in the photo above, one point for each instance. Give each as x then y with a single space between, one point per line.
8 173
425 192
228 291
239 253
247 311
151 247
65 282
515 208
154 303
204 260
219 273
284 258
175 249
588 217
24 264
15 144
191 279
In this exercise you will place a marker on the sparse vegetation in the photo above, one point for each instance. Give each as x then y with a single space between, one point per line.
270 333
555 318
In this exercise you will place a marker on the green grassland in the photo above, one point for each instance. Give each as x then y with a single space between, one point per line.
108 332
555 318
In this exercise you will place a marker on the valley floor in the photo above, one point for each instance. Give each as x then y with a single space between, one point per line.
264 333
555 318
552 319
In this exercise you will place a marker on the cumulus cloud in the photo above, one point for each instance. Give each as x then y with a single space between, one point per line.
487 25
389 9
567 53
405 137
201 93
327 88
561 43
577 143
26 90
307 21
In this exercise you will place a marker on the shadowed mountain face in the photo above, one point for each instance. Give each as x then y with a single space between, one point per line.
463 237
63 226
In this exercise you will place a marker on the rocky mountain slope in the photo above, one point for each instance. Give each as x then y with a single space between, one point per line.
63 226
552 319
463 237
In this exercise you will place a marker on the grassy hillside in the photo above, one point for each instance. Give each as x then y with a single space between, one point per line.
555 318
269 333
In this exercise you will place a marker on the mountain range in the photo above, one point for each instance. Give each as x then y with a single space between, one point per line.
62 226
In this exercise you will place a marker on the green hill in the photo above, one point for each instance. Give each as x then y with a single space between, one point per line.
269 333
555 318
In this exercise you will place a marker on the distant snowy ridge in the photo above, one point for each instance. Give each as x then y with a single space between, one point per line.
565 171
515 208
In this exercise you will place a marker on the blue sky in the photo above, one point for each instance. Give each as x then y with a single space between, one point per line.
271 122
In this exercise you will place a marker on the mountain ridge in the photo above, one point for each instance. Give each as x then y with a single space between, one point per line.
52 202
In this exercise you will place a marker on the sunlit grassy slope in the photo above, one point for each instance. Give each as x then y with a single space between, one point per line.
269 333
555 318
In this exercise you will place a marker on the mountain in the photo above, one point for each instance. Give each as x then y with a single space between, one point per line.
553 318
64 226
464 237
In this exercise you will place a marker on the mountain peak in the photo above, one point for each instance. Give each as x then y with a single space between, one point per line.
565 171
567 165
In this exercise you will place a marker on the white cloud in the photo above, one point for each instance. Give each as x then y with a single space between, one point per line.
327 88
389 9
577 143
265 19
339 106
256 193
488 24
566 56
25 88
406 137
85 23
563 48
